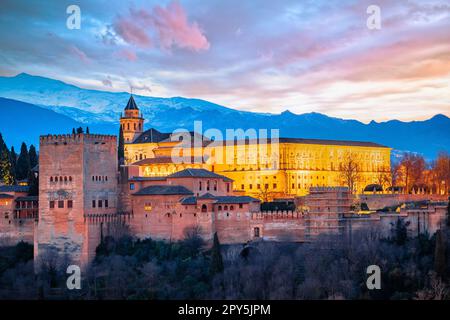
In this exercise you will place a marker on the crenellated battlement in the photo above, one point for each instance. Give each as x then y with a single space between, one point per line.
277 215
76 138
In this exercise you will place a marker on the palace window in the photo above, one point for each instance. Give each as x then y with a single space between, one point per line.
228 187
207 185
51 179
241 205
200 185
93 203
219 208
256 232
231 208
242 187
60 204
215 185
250 186
293 186
69 204
52 204
106 203
204 208
100 203
274 185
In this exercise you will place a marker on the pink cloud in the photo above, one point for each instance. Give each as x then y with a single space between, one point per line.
78 53
131 32
127 54
169 26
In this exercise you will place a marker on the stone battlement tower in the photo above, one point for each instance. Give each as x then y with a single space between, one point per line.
132 122
77 178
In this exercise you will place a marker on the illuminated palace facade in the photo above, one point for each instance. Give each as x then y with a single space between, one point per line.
282 168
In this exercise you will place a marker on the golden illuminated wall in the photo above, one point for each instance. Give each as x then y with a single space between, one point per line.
285 169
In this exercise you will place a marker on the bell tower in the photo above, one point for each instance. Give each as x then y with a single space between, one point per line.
132 122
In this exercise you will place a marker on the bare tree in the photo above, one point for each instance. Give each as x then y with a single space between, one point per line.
440 173
412 167
350 172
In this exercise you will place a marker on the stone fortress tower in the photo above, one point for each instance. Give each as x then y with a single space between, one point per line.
132 122
77 194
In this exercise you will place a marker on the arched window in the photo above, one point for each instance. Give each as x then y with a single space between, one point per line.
65 179
128 126
220 208
135 127
225 208
204 208
199 185
70 178
231 208
51 179
106 178
93 178
140 127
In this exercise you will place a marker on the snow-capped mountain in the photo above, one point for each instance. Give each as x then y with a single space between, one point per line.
101 111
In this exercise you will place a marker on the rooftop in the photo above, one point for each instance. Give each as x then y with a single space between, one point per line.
197 173
131 105
14 188
219 199
163 190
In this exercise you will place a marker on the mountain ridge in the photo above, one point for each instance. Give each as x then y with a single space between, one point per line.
101 111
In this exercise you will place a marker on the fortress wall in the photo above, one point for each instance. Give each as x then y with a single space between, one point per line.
379 201
17 230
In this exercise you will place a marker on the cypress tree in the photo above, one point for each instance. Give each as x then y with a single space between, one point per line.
440 257
13 157
33 183
216 257
87 130
33 157
6 172
448 213
121 148
73 131
23 163
80 130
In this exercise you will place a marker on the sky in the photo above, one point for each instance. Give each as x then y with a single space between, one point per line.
253 55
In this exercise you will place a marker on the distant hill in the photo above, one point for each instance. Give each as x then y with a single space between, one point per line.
101 111
24 122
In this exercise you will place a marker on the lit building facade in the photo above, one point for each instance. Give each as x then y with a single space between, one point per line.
266 169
